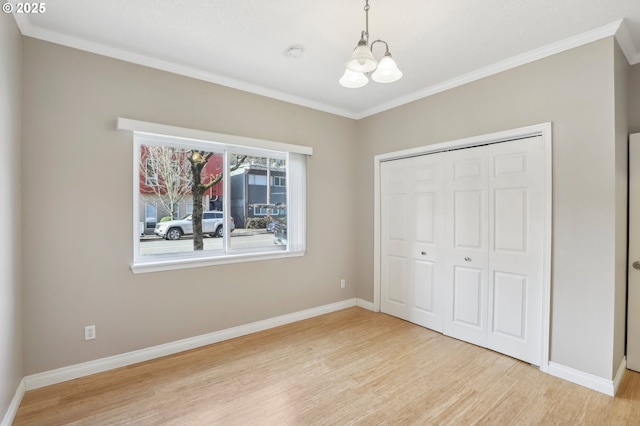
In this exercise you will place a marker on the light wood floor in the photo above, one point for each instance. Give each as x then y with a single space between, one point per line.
347 367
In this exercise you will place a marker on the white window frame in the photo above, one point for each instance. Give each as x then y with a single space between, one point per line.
296 159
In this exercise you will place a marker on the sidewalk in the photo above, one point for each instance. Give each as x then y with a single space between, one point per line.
238 232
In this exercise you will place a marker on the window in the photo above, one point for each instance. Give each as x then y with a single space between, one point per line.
150 215
151 174
264 211
219 178
258 180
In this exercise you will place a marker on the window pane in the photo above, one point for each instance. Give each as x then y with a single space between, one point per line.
241 194
170 176
150 215
151 173
259 211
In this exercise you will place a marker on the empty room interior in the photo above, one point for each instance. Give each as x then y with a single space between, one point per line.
341 212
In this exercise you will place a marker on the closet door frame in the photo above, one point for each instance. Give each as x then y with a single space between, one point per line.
543 130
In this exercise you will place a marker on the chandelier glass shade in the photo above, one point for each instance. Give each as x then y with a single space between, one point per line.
363 62
353 80
387 71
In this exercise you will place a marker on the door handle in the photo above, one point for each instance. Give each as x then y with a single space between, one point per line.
424 253
636 265
468 259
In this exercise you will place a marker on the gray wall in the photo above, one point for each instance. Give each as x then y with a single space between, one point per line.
73 156
575 91
11 371
73 278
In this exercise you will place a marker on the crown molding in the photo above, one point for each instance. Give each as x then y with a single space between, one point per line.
617 29
630 50
29 30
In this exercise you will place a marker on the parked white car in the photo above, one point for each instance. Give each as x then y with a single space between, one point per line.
212 223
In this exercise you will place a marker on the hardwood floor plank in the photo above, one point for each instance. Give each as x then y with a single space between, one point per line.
351 367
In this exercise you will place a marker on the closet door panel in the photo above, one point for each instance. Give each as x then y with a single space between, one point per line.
510 220
397 279
467 219
425 287
466 245
395 247
516 247
510 299
411 228
467 297
426 190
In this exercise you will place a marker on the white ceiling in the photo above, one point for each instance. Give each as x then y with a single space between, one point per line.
437 44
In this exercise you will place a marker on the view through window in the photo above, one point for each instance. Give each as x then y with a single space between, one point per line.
208 201
202 198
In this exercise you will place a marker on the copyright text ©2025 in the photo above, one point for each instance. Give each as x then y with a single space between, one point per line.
24 7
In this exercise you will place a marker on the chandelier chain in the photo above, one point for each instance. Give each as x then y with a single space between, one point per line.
366 13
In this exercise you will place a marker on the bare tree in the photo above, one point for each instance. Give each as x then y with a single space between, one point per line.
198 160
165 174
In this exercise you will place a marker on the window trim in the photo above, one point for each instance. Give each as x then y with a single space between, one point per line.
203 135
217 141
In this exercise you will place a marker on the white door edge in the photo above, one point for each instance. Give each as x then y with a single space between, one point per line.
633 280
544 130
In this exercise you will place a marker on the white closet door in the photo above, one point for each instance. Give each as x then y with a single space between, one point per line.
395 244
462 244
411 214
466 245
516 246
426 229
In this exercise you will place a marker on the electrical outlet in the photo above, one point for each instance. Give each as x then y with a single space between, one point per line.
343 283
89 332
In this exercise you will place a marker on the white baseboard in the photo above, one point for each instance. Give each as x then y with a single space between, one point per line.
364 304
608 387
622 368
59 375
15 404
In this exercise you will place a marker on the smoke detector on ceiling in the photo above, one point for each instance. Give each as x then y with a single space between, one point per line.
294 51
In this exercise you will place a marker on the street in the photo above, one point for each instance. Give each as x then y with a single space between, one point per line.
239 240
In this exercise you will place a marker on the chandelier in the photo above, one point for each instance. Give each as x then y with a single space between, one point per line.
363 63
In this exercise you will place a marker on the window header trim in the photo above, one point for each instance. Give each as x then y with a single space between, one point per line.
183 132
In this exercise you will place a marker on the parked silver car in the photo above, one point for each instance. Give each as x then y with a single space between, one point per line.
212 223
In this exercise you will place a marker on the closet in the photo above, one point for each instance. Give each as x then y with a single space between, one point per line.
461 244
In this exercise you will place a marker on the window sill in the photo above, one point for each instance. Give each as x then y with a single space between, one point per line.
143 267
